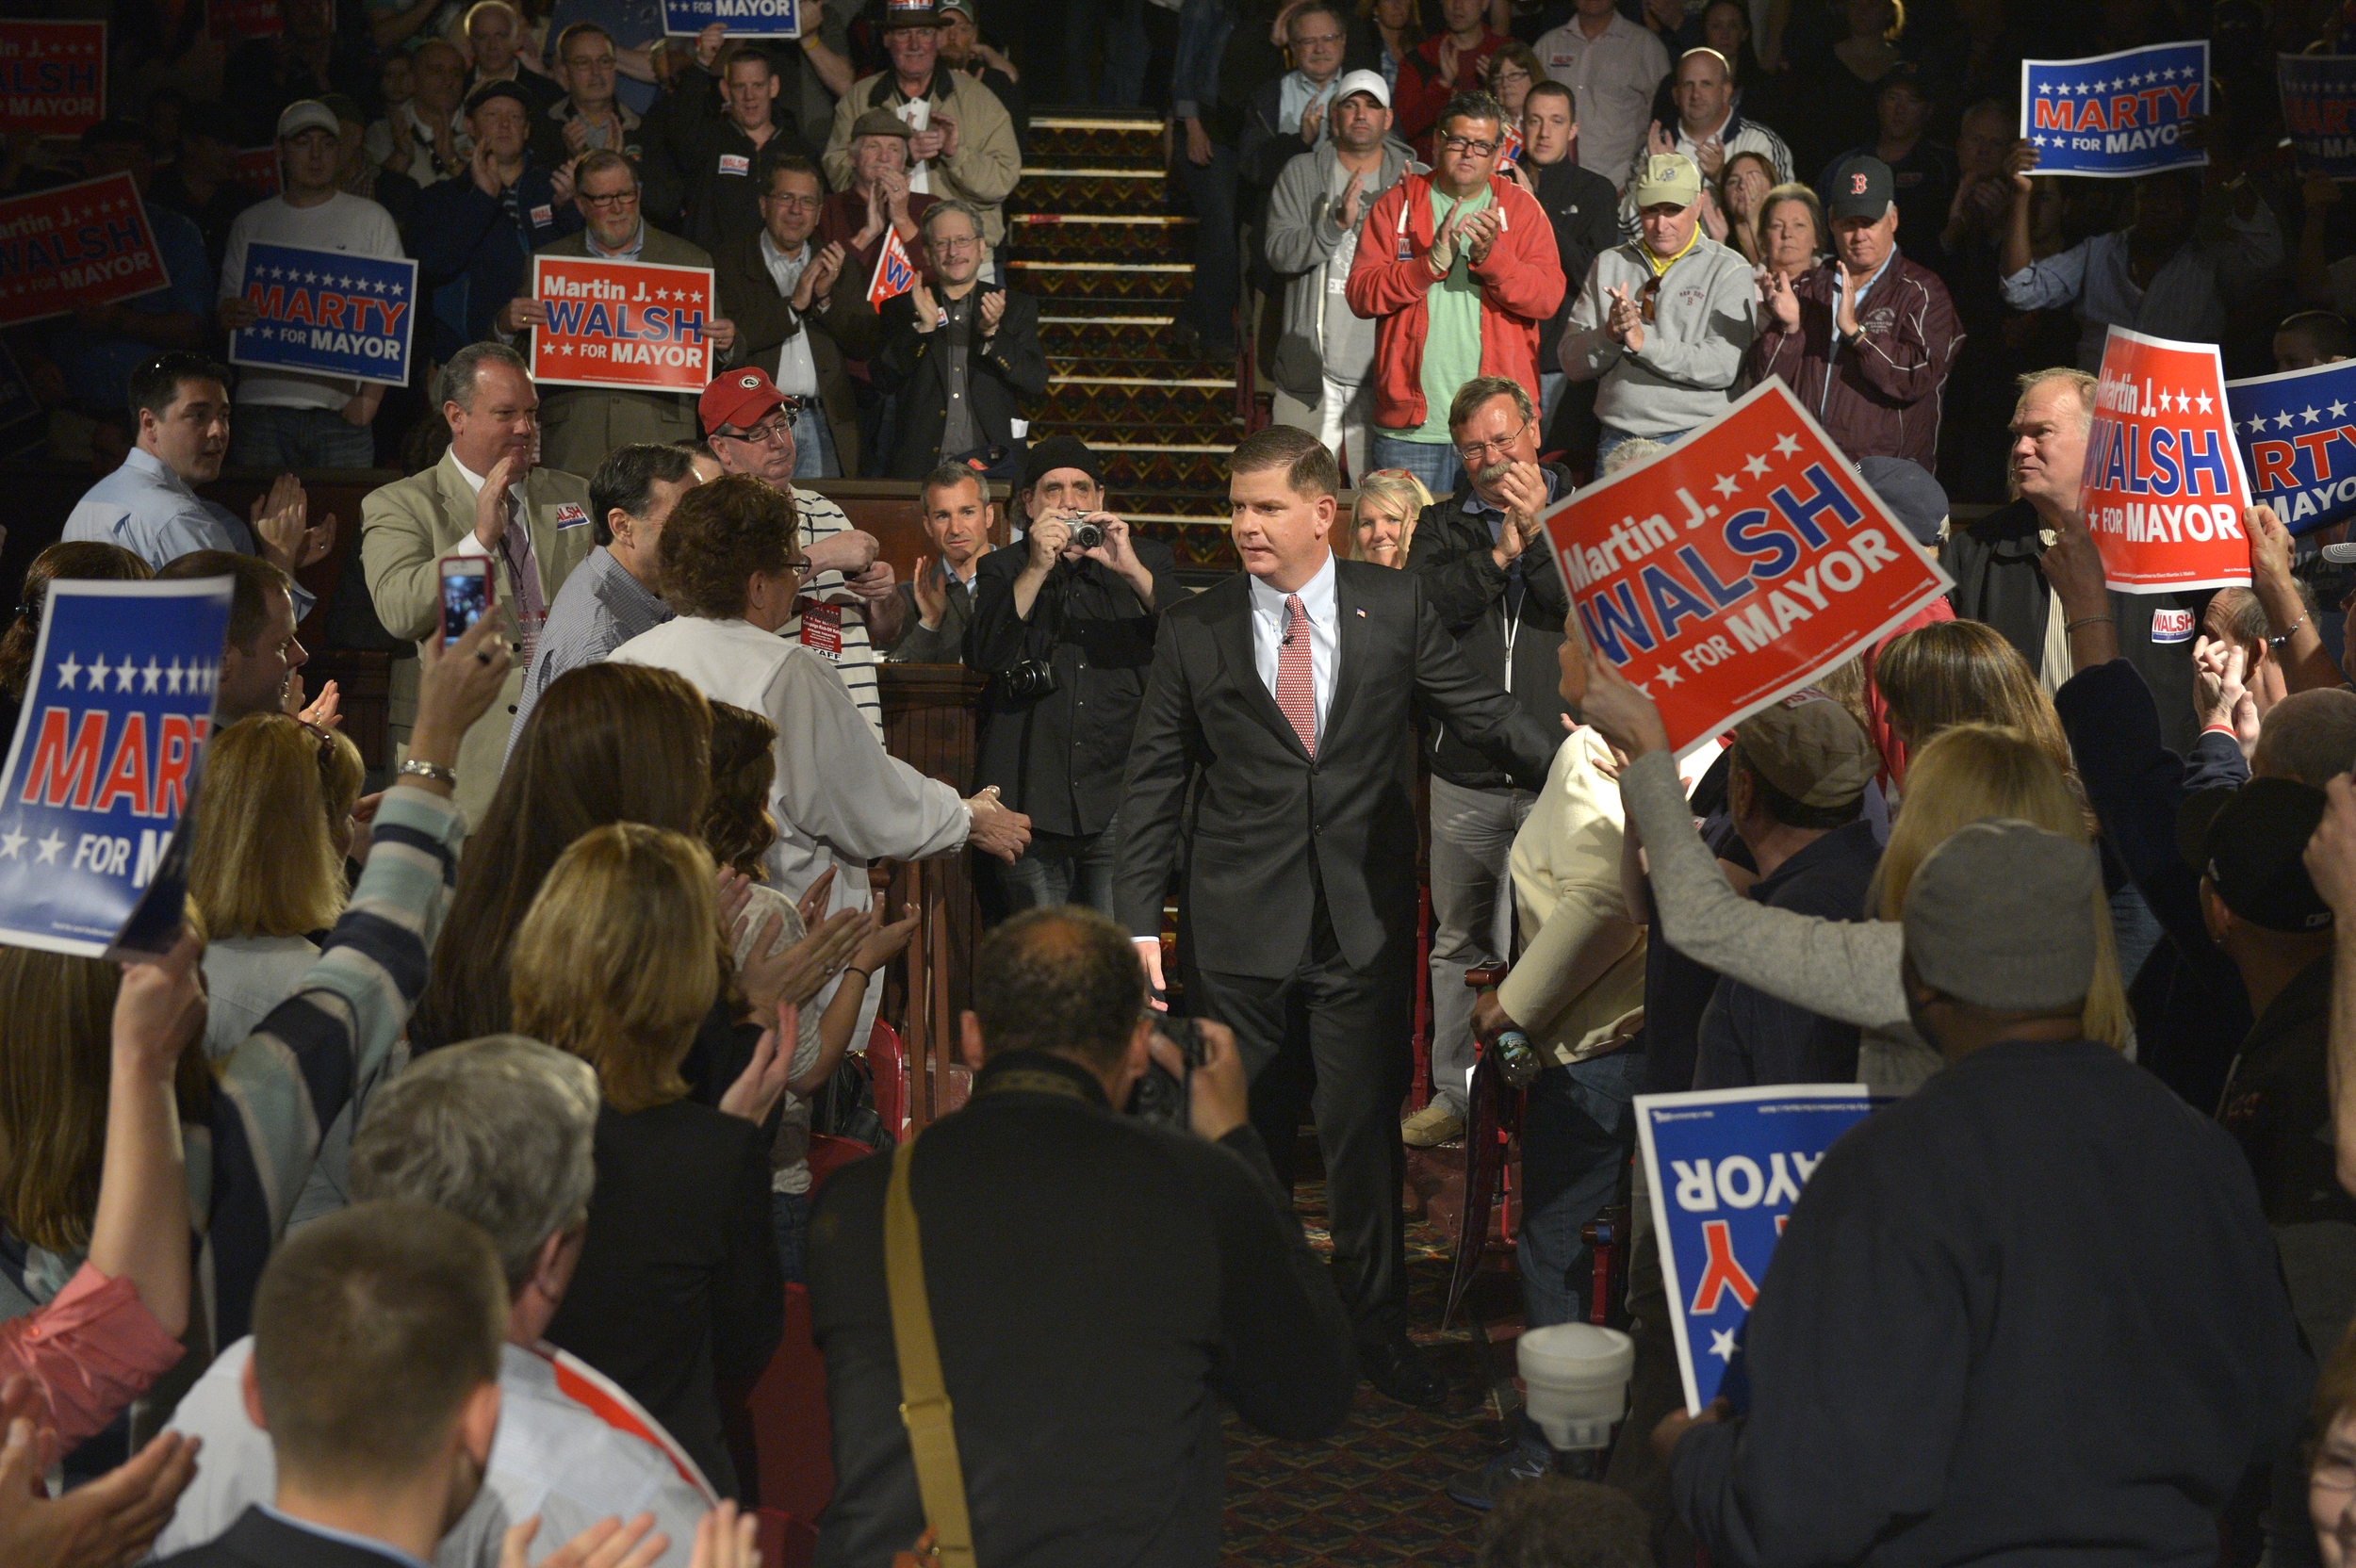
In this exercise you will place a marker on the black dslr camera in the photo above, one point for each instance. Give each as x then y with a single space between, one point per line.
1030 679
1161 1096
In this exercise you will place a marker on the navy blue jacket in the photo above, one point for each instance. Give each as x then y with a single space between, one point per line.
472 258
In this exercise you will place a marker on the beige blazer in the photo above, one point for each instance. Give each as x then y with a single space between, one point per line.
1578 983
406 529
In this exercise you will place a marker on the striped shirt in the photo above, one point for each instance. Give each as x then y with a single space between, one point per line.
323 1048
599 608
822 519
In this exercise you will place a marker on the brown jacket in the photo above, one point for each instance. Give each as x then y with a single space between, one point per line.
1880 395
842 327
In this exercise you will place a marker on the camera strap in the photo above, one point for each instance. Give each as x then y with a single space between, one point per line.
924 1408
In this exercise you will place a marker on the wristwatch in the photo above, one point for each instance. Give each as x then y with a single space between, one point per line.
416 769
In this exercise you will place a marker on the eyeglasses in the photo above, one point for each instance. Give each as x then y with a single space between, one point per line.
1316 37
1473 451
956 244
799 203
767 433
618 200
1466 144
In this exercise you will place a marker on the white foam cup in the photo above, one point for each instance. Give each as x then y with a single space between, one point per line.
1576 1375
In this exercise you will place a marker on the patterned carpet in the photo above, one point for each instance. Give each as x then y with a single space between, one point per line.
1373 1494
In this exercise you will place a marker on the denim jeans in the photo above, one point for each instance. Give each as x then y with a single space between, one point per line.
1210 309
1576 1131
1435 463
1551 385
263 437
789 1211
1063 867
1611 437
813 447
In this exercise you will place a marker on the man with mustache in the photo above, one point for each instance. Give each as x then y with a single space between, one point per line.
1487 571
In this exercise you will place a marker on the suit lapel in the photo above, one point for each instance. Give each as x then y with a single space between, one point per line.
1233 632
1350 642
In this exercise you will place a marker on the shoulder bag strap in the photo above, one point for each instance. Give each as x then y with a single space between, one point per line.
924 1395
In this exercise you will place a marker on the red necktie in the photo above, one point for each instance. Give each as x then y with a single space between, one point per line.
1296 684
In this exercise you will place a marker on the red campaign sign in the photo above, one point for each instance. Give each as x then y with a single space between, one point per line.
53 76
2163 483
87 242
257 170
622 323
232 20
1731 570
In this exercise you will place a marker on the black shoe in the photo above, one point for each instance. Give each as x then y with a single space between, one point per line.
1397 1368
1527 1458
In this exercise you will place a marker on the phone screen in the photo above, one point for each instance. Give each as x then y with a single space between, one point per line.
465 594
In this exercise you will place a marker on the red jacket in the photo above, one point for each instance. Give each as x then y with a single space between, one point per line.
1521 288
1422 93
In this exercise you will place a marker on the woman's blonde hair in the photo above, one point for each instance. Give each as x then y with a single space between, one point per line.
1972 772
343 774
1965 672
618 958
1792 191
57 1026
262 862
1397 490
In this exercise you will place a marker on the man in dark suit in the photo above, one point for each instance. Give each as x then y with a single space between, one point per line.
375 1367
800 312
1274 740
936 601
963 359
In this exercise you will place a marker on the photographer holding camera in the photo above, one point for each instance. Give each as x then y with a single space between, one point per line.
1063 625
1095 1278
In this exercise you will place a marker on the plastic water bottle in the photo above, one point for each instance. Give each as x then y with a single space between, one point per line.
1517 1059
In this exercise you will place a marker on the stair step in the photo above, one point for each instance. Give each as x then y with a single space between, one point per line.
1071 284
1225 384
1167 219
1094 193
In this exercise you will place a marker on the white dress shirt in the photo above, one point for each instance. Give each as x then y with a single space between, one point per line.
1267 633
797 372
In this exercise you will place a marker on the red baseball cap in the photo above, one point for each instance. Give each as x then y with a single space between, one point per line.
741 398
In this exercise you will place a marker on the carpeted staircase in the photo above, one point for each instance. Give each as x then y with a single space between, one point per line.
1093 237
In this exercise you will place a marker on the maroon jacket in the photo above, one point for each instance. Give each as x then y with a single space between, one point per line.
1878 397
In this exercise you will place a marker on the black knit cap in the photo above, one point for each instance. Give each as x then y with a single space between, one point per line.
1061 452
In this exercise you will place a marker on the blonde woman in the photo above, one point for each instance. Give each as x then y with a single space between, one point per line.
1846 972
1383 524
677 1289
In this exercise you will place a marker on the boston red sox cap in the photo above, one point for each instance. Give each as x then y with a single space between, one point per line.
1861 187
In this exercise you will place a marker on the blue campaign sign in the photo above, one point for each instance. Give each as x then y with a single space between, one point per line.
2297 436
105 764
2115 115
743 18
328 313
2318 91
1726 1166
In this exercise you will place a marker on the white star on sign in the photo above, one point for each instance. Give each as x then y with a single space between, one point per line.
1722 1344
2204 402
2311 413
1667 675
1725 485
99 670
154 673
2338 409
49 847
126 672
67 672
1786 445
1755 464
2038 140
2282 421
10 842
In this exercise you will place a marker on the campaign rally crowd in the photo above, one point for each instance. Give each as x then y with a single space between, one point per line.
438 1195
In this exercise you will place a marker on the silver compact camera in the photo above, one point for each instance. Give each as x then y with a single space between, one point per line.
1085 534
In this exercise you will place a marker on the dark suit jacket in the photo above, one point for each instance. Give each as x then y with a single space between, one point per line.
846 329
472 259
1215 764
1002 382
258 1540
679 1290
945 642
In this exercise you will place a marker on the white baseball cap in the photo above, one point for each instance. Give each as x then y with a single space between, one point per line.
1368 82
